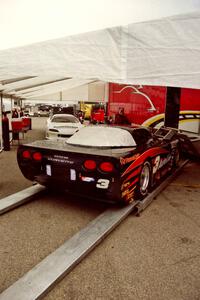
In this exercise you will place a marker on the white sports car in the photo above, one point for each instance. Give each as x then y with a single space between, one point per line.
62 126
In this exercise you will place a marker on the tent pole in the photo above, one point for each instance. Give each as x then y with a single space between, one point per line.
11 104
199 128
1 115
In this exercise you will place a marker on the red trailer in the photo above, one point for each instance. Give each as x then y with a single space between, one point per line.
146 105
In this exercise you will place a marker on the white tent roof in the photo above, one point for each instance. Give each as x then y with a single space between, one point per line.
159 52
52 87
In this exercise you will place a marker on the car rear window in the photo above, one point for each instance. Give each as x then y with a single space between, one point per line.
62 119
97 136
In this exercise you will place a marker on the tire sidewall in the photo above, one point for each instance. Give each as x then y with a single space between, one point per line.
142 193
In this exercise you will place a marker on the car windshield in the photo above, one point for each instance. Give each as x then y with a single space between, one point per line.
97 136
64 119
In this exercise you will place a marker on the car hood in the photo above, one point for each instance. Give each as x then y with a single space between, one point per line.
64 127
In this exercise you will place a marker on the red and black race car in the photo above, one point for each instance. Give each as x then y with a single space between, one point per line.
115 164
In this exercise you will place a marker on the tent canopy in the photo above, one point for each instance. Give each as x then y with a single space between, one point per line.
162 52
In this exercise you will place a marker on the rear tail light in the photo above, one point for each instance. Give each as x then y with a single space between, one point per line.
106 167
90 164
26 154
37 156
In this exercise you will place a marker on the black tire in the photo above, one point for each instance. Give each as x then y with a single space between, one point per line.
144 180
175 159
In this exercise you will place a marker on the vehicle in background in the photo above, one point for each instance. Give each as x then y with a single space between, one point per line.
31 110
86 108
62 126
97 114
93 111
113 164
63 110
26 110
44 110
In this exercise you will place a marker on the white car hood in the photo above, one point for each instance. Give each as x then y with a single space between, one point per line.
65 128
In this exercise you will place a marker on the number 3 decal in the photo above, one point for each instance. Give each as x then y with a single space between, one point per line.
102 183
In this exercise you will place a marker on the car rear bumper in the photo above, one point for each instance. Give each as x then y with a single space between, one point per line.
83 188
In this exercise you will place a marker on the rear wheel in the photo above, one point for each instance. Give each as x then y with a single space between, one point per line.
175 159
145 180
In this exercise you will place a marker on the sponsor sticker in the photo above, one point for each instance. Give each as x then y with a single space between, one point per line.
102 183
156 164
124 193
124 161
60 159
124 185
72 174
87 179
48 170
164 161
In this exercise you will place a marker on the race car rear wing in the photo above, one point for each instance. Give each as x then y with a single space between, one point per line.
166 133
190 145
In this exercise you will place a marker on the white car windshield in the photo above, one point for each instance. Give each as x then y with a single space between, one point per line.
97 136
64 119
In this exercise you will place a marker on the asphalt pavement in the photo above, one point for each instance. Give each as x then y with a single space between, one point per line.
155 256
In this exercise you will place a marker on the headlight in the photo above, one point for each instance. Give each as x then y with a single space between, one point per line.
54 130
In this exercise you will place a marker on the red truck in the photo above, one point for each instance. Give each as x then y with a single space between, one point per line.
97 114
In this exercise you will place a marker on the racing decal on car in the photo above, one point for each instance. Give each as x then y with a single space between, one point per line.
124 161
60 159
125 185
128 195
124 193
87 179
134 182
129 198
164 161
48 170
140 160
156 163
73 174
134 173
102 183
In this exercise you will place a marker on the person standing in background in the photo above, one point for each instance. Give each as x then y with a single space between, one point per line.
15 113
5 132
121 118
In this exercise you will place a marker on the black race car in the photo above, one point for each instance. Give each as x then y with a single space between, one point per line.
115 164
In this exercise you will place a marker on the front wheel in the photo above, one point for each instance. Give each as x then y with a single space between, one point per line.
144 180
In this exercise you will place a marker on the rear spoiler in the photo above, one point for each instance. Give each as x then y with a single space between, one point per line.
166 133
190 144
